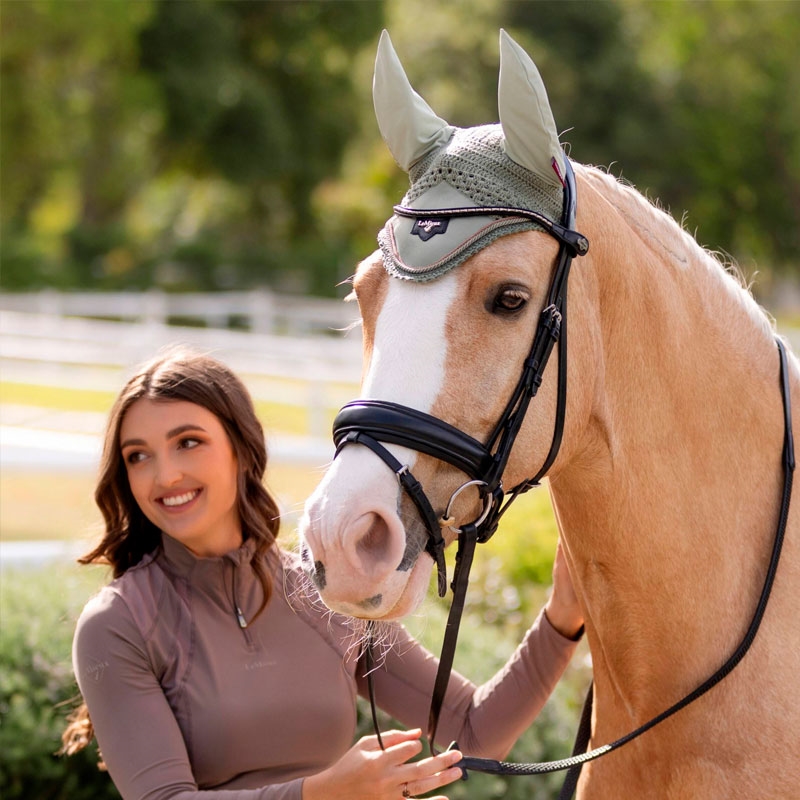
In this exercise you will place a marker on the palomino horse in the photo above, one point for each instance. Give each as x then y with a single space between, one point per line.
668 480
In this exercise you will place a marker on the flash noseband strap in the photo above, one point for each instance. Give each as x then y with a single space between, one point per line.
435 544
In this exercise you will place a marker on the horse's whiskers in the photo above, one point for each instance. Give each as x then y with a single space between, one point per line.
381 637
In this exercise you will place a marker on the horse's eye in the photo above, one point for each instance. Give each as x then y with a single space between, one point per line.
509 300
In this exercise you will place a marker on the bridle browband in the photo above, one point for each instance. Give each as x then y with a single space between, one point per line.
374 422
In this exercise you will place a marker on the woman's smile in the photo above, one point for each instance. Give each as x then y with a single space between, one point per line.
179 501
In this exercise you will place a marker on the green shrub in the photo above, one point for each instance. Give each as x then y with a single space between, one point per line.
38 609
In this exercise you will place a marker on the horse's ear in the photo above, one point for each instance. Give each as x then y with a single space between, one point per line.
407 123
528 125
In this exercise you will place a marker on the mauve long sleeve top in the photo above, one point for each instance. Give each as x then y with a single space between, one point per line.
187 703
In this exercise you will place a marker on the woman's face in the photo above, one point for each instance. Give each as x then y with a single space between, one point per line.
183 473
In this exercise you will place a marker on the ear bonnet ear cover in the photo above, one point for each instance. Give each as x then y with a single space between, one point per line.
470 169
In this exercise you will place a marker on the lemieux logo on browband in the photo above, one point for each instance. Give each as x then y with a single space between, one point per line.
428 228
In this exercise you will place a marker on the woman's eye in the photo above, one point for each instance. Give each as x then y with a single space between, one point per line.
510 300
188 443
134 457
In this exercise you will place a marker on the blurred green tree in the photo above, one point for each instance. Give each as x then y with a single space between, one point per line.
77 122
697 101
727 77
173 143
260 95
225 144
683 99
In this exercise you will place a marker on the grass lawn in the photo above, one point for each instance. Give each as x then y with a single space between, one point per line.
59 505
58 398
45 505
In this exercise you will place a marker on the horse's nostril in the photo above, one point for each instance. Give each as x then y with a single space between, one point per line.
374 538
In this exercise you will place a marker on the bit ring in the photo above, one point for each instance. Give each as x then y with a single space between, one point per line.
487 506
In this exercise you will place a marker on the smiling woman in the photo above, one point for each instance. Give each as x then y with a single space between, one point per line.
207 661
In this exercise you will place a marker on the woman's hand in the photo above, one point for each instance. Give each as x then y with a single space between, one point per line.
365 772
563 609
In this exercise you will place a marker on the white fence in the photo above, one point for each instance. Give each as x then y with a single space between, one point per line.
316 372
259 310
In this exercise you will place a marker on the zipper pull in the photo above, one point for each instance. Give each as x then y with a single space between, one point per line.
240 617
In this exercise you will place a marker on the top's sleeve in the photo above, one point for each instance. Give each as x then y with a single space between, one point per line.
485 720
139 737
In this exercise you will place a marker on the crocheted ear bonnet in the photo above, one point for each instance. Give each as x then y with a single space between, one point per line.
453 167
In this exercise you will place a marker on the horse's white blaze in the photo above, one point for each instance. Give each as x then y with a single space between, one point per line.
358 499
408 358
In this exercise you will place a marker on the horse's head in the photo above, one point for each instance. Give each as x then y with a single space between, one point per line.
450 306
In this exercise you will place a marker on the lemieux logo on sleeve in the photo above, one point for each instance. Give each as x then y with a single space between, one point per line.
95 670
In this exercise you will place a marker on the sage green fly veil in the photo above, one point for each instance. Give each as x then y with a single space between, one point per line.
517 163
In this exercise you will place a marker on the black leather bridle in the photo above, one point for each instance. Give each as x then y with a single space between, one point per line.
375 423
372 423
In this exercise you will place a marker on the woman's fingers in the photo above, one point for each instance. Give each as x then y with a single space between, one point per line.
366 771
428 774
391 739
400 774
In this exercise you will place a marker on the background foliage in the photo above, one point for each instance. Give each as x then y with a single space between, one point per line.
37 687
222 144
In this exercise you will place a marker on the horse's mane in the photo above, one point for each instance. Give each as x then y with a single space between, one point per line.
655 225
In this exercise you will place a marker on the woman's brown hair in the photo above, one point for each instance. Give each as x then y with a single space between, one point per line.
178 374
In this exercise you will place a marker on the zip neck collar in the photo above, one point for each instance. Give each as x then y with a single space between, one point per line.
227 579
182 561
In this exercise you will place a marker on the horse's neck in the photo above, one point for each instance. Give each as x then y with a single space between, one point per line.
669 508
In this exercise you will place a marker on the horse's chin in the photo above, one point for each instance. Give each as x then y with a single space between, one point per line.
401 597
414 592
